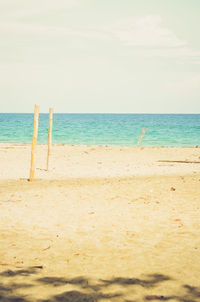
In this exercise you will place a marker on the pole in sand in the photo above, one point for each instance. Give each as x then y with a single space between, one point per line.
49 135
34 141
141 135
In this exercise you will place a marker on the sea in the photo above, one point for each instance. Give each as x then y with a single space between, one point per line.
104 129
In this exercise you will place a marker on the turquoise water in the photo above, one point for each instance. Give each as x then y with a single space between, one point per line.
104 129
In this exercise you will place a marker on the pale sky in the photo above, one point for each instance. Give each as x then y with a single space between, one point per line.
120 56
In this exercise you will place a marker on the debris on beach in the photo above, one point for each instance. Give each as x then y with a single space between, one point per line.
155 297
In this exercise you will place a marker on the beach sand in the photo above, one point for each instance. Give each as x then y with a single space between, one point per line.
104 224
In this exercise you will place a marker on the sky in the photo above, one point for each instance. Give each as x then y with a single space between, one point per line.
100 56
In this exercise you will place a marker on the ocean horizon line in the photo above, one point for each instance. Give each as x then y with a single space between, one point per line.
114 113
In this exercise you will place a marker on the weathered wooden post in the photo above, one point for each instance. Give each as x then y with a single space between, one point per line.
49 135
141 135
34 141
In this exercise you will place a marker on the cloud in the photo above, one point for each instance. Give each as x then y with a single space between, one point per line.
49 30
49 4
146 31
148 37
178 53
21 8
139 36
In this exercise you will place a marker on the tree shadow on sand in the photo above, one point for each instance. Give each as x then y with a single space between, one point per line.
85 289
8 288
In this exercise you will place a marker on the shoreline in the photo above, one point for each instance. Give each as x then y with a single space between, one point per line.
76 161
98 145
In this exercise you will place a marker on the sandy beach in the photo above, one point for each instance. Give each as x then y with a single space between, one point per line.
104 223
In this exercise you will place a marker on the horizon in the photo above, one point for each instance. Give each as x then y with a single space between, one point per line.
107 113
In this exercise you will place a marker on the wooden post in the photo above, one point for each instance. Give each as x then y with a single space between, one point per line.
141 136
34 141
49 135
